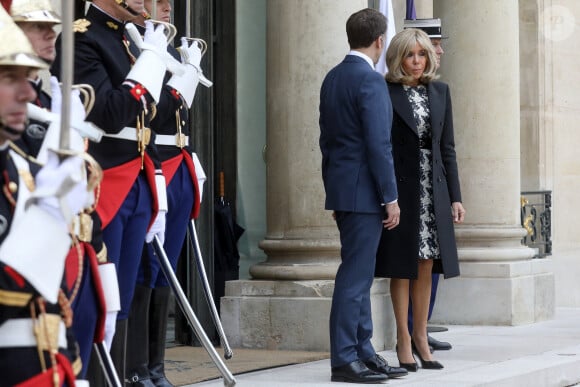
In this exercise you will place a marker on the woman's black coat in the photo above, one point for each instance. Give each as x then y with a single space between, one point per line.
398 252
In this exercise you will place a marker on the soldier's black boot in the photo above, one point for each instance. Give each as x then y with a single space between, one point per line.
137 373
119 348
95 374
158 315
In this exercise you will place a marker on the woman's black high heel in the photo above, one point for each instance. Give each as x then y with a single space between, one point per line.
411 367
426 364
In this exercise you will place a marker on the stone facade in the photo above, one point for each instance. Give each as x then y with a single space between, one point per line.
503 140
514 78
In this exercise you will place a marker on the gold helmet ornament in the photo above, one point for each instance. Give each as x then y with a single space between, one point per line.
38 11
16 49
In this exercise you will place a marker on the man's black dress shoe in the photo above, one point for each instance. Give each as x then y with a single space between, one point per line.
378 364
356 372
438 345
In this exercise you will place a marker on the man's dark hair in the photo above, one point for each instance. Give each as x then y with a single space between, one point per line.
364 27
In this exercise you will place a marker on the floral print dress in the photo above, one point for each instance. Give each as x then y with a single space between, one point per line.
428 241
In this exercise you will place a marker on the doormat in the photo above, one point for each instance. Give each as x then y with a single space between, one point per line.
187 365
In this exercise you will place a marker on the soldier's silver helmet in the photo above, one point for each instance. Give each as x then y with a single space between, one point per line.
16 49
23 11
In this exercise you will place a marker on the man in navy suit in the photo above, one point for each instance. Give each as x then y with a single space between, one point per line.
359 180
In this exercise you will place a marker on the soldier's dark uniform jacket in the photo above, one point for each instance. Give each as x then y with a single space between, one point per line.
102 61
29 324
32 138
127 203
42 100
85 289
170 126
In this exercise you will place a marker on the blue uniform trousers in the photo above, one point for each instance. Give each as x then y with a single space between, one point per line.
351 326
85 311
180 197
124 238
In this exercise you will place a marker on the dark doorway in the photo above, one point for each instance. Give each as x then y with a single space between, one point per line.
213 121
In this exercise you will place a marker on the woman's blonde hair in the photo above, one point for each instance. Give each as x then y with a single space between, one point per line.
400 46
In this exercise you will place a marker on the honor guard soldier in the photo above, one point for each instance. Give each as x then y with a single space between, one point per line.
149 310
126 93
37 20
36 346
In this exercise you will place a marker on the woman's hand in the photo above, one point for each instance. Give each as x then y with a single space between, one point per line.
458 212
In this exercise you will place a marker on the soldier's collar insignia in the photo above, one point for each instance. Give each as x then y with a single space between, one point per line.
113 25
81 25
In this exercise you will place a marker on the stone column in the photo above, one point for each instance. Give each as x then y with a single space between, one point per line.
500 283
305 40
286 305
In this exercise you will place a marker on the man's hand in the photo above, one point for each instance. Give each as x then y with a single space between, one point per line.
393 216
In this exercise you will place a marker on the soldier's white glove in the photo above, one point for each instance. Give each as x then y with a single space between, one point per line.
77 109
190 54
199 173
77 117
110 326
110 285
61 187
149 69
186 83
154 39
158 226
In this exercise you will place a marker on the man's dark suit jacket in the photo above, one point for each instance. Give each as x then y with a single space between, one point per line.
355 121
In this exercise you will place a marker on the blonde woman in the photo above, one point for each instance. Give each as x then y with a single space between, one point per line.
429 190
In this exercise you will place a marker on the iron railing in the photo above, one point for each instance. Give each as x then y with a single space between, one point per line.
536 218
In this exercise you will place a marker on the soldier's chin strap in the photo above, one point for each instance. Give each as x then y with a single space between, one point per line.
127 7
9 130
